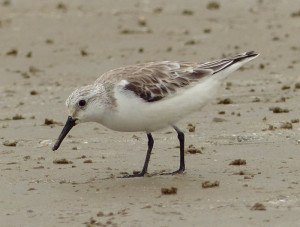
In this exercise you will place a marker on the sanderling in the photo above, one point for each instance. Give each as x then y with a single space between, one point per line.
150 96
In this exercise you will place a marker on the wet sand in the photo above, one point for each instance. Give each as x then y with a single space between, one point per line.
49 48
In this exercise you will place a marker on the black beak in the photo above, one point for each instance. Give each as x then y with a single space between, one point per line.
68 126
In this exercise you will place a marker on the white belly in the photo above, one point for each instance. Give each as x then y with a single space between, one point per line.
133 114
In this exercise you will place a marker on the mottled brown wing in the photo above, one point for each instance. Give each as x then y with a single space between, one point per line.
157 80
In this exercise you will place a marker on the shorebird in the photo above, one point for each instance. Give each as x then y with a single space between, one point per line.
149 96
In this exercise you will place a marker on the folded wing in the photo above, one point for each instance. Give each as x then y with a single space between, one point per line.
157 80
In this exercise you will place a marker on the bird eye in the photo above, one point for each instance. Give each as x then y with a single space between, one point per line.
82 102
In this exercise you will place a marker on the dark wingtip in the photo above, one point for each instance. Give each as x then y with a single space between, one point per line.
251 54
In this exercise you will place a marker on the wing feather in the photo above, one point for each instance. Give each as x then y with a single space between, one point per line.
154 81
159 80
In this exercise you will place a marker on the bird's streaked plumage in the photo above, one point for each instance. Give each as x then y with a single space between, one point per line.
150 96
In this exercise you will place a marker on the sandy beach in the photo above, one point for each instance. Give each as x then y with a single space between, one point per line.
246 168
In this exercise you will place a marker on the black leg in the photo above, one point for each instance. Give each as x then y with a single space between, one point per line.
144 170
181 141
150 146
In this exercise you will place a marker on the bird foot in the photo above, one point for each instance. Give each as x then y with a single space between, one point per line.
140 174
179 171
